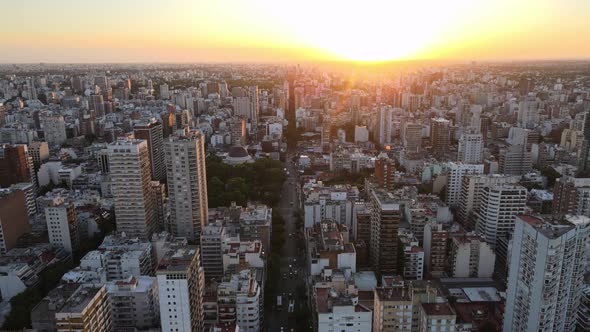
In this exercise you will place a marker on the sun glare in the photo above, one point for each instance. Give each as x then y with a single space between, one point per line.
373 30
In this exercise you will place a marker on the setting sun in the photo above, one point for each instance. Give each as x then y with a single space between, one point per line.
304 30
374 30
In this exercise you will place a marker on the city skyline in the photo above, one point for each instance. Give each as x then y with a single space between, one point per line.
263 31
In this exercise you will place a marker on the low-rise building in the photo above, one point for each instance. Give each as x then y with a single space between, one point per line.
328 247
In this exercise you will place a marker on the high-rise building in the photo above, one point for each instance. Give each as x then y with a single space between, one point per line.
385 125
440 136
545 278
30 192
13 218
583 319
254 105
151 132
39 151
470 197
187 184
96 103
515 160
16 165
130 171
211 250
470 148
456 172
386 214
435 249
361 134
102 82
31 90
499 204
54 129
62 226
412 137
164 92
571 196
237 131
385 172
528 113
158 191
88 309
181 284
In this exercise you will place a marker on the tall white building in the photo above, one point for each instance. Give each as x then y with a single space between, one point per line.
187 184
62 227
528 113
164 91
499 205
361 134
470 198
456 172
547 263
130 171
54 129
241 106
470 148
181 285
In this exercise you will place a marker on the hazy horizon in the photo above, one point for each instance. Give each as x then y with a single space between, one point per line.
264 31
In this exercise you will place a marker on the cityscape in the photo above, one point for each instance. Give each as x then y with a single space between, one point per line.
233 167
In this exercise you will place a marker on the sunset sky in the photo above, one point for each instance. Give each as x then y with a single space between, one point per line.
279 30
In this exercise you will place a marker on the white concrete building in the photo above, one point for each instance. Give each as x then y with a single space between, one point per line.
471 187
62 227
187 184
180 290
54 128
545 279
413 256
130 172
328 203
361 134
470 148
498 207
456 172
471 257
340 312
239 302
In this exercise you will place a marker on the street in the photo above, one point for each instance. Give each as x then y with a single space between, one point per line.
291 277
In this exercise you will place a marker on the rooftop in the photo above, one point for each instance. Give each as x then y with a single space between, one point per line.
80 299
438 309
177 259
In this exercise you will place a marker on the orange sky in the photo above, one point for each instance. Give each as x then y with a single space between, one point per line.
277 31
